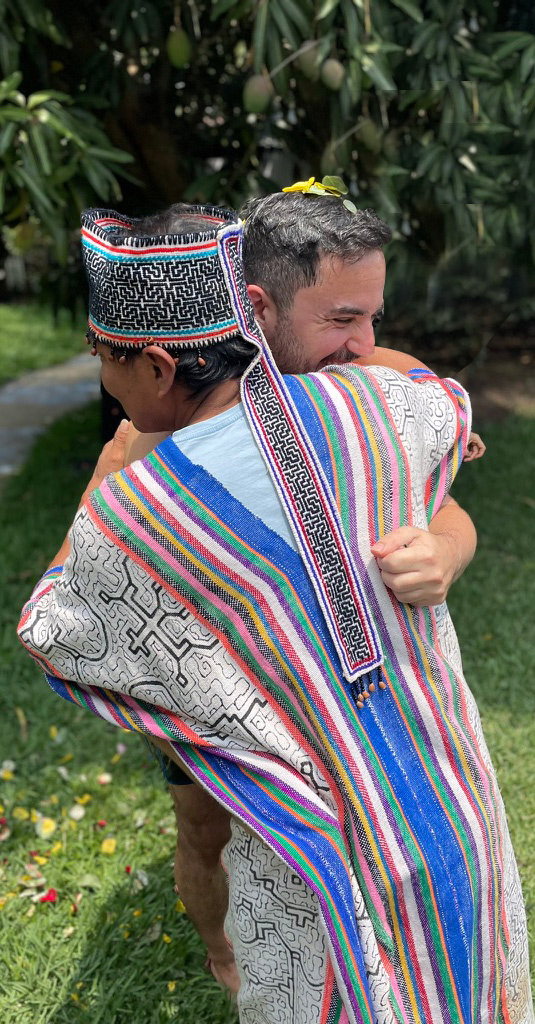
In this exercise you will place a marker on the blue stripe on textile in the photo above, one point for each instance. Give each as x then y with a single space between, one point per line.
257 810
312 424
142 256
182 333
384 725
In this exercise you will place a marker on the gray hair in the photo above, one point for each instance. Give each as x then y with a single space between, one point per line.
286 235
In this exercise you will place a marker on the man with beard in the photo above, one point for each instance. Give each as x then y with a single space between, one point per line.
316 275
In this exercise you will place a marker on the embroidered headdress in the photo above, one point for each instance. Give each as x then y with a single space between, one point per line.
183 290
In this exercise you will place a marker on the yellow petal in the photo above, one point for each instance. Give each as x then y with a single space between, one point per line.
179 907
6 775
300 186
57 847
171 986
53 732
40 860
84 799
108 846
166 938
20 814
45 827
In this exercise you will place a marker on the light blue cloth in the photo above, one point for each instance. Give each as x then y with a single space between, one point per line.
225 447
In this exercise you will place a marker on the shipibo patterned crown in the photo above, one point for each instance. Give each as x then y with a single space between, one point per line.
174 290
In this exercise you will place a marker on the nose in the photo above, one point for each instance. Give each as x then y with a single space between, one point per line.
363 343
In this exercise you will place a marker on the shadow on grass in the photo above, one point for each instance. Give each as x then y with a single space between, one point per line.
143 962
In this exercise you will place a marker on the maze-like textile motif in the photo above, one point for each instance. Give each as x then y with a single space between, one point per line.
174 289
179 298
332 575
133 637
274 926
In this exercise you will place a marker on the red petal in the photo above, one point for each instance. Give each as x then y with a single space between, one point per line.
49 897
128 869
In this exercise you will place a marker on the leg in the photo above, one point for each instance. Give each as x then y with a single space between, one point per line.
203 829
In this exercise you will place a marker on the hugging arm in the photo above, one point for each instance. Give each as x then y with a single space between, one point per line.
419 566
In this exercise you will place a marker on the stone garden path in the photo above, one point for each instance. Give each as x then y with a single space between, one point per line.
30 404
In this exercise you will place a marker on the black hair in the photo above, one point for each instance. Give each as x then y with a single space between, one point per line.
286 235
223 360
178 219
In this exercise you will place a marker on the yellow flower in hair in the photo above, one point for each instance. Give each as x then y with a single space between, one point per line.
331 185
300 186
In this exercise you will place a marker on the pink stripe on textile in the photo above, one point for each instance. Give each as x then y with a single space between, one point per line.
212 598
393 452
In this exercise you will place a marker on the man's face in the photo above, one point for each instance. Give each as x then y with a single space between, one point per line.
333 320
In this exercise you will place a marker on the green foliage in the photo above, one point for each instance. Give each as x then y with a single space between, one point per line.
36 340
56 159
432 122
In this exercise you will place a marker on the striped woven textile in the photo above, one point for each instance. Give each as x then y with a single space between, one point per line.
183 616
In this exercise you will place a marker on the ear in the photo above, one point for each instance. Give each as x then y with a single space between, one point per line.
161 366
265 310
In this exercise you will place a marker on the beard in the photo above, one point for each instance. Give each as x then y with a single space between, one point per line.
290 352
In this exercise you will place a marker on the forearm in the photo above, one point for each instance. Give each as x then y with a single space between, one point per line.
454 526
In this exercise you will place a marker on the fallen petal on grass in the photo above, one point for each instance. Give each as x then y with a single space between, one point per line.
49 897
20 813
108 846
77 812
45 827
104 779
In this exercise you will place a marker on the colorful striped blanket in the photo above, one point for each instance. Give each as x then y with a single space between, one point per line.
182 615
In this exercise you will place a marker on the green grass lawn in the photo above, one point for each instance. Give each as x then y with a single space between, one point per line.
30 338
127 953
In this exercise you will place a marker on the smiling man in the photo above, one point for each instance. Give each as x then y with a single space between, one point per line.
316 277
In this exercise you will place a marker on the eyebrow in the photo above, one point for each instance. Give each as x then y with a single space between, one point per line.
353 311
